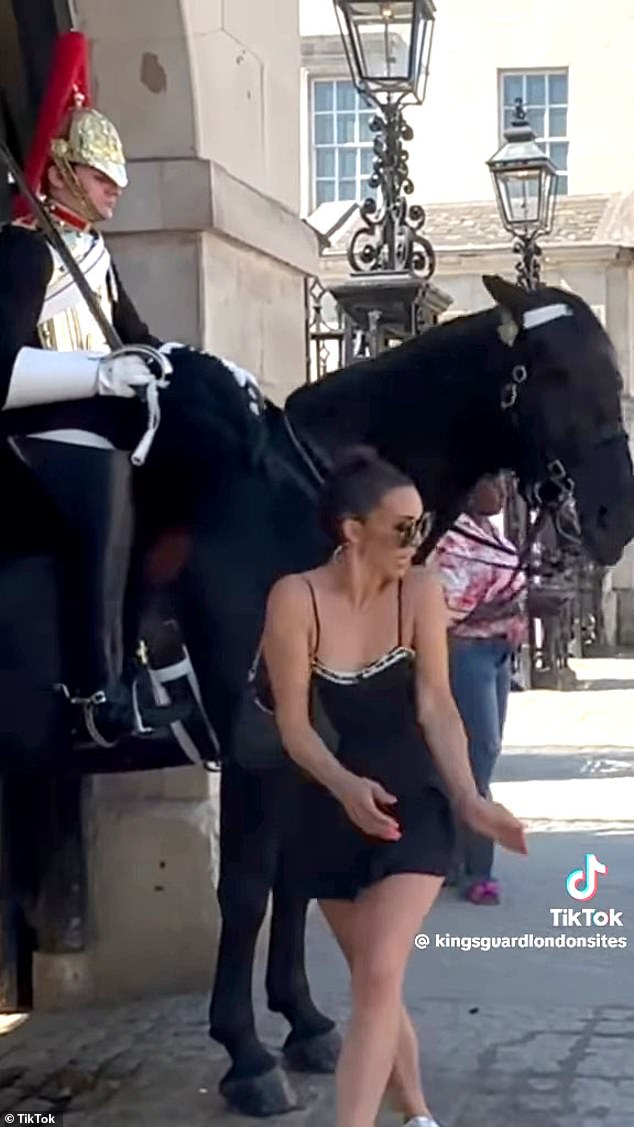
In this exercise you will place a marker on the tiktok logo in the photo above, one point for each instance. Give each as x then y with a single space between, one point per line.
582 884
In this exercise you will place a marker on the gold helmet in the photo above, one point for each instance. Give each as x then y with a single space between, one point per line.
69 130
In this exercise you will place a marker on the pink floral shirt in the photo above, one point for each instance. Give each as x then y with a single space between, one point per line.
475 564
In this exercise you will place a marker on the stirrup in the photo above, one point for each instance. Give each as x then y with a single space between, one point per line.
87 706
124 724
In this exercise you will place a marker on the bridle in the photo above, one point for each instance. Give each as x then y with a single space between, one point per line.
556 489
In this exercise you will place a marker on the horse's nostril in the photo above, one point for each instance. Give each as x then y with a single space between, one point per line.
602 516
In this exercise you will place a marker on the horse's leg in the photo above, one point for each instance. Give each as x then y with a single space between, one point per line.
313 1044
254 1085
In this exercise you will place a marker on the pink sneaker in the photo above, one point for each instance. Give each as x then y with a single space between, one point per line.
483 892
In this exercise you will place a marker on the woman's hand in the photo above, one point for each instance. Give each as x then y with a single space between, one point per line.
362 800
494 821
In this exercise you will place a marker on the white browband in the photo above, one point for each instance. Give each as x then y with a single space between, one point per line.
547 313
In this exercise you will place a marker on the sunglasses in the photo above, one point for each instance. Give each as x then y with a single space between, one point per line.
411 532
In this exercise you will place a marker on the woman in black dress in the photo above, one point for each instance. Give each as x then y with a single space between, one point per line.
356 653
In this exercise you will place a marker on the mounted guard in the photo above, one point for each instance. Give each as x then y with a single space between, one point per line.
72 409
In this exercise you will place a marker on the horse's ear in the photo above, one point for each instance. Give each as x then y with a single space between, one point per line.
510 297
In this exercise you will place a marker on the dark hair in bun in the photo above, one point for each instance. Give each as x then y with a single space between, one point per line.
357 483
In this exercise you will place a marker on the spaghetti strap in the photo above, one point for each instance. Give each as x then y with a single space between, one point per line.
313 599
400 613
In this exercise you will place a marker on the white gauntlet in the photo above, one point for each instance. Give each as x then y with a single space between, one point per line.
120 375
42 376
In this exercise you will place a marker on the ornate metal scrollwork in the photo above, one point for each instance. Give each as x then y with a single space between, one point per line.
391 238
528 267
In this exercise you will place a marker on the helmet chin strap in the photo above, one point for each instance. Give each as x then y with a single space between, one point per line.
85 209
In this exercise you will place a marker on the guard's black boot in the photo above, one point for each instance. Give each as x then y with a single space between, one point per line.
129 707
91 488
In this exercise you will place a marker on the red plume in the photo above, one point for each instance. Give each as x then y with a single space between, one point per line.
69 83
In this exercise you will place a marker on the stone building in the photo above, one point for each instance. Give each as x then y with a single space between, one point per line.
566 62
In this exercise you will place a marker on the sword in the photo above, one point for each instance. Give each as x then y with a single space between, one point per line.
110 333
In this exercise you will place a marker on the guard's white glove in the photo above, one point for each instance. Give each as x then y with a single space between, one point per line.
121 375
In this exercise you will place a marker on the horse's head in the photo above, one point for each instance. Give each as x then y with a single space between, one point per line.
563 396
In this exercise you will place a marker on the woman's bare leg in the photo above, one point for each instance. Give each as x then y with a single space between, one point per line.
385 920
404 1089
405 1085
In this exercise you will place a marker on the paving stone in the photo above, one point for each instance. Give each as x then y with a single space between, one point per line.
547 1052
607 1062
34 1105
10 1098
601 1096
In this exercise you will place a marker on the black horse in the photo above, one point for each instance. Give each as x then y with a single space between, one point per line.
531 385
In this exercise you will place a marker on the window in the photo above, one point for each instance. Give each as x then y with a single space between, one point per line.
342 143
545 98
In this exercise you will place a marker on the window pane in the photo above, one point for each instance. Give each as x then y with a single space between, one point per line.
323 95
535 90
324 191
346 96
508 118
324 129
536 121
347 189
346 129
559 154
513 88
562 186
367 161
348 163
325 162
365 133
558 123
558 89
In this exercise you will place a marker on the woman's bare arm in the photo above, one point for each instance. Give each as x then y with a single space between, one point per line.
286 651
437 711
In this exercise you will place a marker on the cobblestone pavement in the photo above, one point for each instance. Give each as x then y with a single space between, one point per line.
510 1037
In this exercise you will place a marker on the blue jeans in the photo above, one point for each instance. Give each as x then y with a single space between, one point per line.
480 671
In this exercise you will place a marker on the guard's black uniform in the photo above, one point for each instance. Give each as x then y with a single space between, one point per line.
80 452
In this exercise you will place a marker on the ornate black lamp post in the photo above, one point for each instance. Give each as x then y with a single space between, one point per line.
388 46
525 179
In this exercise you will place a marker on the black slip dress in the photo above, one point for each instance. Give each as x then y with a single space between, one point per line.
368 719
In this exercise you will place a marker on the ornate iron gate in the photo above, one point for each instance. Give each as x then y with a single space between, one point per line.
565 613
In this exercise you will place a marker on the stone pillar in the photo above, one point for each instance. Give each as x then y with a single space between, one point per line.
152 847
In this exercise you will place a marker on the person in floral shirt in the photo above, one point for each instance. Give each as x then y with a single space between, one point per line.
485 593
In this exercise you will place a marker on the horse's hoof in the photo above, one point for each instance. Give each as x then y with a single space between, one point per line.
259 1096
317 1054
